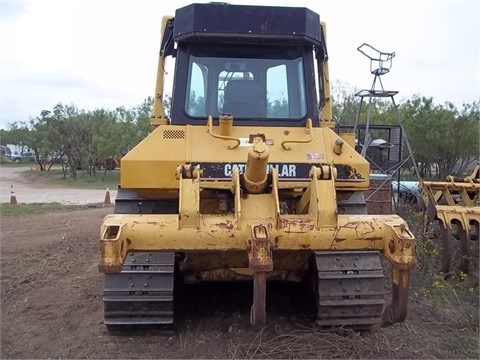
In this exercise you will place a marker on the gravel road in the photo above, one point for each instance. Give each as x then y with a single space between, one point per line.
27 192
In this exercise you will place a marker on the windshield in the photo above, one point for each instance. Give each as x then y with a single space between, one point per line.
252 85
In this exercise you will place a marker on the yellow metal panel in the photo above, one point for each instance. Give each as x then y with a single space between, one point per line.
189 204
152 163
323 201
349 138
158 117
326 114
258 207
388 234
149 174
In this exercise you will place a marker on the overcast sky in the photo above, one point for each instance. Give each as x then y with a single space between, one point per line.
99 53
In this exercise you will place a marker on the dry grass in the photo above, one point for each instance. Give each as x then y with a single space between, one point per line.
403 341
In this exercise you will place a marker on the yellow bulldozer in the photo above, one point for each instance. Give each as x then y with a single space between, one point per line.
247 180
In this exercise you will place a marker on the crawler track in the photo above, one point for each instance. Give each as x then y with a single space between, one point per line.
142 293
350 289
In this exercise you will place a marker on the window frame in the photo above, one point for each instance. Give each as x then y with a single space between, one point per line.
183 68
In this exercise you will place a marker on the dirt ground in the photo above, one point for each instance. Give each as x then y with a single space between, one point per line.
51 307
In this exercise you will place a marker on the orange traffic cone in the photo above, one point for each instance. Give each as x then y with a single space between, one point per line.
13 198
107 198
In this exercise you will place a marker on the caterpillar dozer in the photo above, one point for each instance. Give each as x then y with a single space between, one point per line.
247 180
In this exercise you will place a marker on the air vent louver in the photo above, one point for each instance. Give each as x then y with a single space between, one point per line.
174 134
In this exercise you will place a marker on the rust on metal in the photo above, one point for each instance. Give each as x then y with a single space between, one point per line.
445 234
398 308
361 228
296 225
260 262
260 254
345 172
379 195
106 268
391 246
258 314
228 225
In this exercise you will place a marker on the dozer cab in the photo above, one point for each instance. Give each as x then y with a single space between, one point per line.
246 179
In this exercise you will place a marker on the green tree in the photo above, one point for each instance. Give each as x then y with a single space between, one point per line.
344 103
441 135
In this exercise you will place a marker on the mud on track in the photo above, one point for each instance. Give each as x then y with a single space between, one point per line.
51 307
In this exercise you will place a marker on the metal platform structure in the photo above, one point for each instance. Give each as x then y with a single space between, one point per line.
386 147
